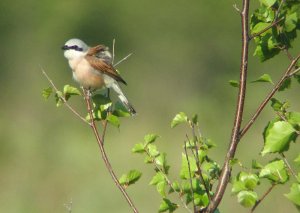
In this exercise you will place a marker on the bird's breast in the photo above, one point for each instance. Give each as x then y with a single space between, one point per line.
87 76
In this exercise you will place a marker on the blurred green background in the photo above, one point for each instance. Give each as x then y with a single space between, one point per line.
184 53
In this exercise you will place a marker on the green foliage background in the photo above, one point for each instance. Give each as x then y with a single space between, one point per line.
185 52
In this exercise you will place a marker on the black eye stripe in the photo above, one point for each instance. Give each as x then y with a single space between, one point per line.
74 47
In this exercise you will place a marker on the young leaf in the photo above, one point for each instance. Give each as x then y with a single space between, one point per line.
275 172
114 120
285 85
152 150
120 110
130 178
268 3
178 119
249 180
293 118
138 148
184 172
256 165
247 198
291 22
234 83
161 188
70 91
47 92
276 105
259 27
264 78
157 178
58 96
294 194
277 137
237 187
150 138
167 205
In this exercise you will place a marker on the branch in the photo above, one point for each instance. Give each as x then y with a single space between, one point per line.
263 197
63 98
123 59
191 183
289 166
285 76
103 153
235 136
274 23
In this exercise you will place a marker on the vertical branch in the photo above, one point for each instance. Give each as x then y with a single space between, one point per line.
235 136
190 174
103 153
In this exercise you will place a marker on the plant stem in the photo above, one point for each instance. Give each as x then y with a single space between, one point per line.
103 153
285 76
263 197
235 136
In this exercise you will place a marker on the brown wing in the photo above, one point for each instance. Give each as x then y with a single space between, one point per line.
101 65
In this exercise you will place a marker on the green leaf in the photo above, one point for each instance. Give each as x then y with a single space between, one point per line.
100 99
47 92
120 110
150 138
157 178
130 178
264 78
276 105
294 194
161 161
58 96
167 205
277 137
175 187
195 119
291 22
297 160
178 119
237 187
234 83
256 165
161 188
138 148
249 180
247 198
148 159
259 27
275 172
184 172
268 3
70 91
285 85
114 120
152 150
212 168
293 118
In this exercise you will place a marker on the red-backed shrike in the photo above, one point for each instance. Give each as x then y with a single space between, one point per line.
92 68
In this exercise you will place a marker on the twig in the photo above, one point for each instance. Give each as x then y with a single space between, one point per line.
263 197
289 166
169 182
196 156
113 51
190 174
274 23
123 59
285 76
236 8
235 136
103 153
63 98
69 206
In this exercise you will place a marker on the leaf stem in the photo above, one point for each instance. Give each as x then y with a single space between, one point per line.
289 166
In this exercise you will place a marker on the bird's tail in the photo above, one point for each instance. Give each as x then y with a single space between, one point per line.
123 99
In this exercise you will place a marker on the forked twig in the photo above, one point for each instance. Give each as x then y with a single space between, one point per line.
63 98
123 59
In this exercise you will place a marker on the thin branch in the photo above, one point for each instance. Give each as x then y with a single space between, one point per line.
236 8
103 153
285 76
190 174
263 197
123 59
169 182
63 98
274 23
196 156
235 136
113 51
289 166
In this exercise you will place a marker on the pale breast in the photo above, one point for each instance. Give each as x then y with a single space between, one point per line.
86 76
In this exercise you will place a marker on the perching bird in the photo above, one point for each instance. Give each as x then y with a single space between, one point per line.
92 68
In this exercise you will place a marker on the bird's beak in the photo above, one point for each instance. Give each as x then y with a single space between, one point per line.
65 47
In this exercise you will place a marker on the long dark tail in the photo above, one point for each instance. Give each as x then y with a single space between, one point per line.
123 99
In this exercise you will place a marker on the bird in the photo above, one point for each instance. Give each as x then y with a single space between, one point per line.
93 69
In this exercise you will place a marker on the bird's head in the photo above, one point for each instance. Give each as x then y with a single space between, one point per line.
74 48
